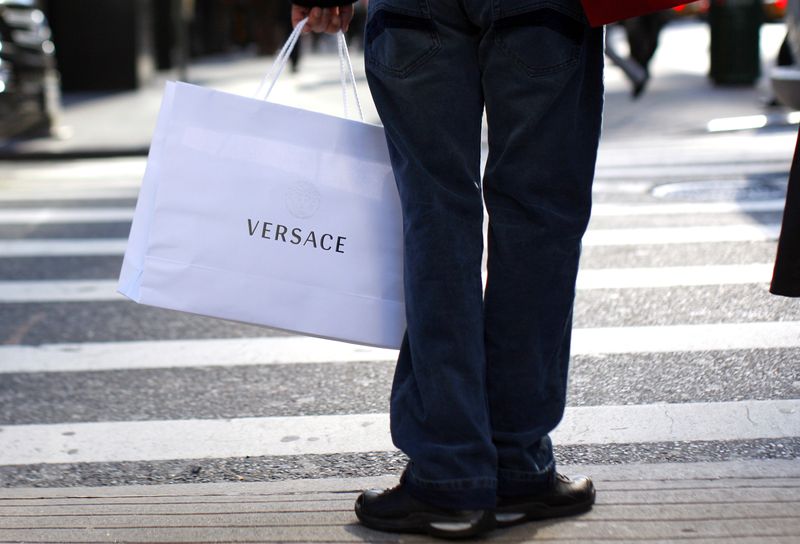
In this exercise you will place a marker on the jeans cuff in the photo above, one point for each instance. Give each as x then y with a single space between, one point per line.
466 494
514 483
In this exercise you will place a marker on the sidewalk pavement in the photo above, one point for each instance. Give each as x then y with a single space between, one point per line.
733 502
679 101
121 124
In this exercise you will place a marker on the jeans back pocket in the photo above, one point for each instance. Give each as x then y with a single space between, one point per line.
542 37
400 36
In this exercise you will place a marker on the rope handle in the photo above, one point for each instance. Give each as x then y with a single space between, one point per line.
282 59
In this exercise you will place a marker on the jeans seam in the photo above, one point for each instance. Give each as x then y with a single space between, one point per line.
520 476
500 13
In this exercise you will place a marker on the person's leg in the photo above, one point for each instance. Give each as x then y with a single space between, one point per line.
643 34
294 56
422 67
542 80
632 69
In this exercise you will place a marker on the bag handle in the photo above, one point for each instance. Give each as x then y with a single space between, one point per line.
346 69
282 59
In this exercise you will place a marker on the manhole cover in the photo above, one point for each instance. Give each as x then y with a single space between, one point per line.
764 188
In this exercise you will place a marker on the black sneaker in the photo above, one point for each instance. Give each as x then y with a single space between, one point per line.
395 510
566 497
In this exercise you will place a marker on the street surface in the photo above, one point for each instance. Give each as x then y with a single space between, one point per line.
680 353
677 339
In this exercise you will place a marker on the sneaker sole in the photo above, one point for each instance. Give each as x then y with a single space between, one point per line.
538 511
435 526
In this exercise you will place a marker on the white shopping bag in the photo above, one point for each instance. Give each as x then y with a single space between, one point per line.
267 214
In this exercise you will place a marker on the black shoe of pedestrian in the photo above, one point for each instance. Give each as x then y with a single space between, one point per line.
639 87
395 510
565 498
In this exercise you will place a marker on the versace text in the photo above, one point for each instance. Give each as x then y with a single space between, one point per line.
296 236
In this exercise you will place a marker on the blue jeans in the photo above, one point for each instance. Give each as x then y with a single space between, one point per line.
481 377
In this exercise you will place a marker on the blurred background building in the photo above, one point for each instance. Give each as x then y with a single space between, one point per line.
52 46
49 47
118 44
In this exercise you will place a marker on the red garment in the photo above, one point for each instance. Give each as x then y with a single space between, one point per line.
601 12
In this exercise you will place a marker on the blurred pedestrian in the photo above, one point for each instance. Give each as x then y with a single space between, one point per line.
355 34
481 378
786 278
285 15
643 35
630 67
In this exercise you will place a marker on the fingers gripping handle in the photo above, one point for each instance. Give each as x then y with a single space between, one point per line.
282 59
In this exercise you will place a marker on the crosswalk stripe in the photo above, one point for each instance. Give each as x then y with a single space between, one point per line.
65 215
302 350
681 235
59 291
713 168
62 248
105 171
357 433
597 237
669 276
10 216
44 187
57 194
183 353
687 208
615 278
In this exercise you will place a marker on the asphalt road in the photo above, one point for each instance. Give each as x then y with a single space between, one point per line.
765 373
634 163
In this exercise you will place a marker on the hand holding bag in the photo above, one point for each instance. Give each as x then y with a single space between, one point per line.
266 214
601 12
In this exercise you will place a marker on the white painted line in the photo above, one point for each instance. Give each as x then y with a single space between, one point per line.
598 237
621 187
750 122
682 235
65 215
87 185
709 167
59 291
23 195
104 215
683 338
687 208
743 420
184 353
11 216
676 276
107 171
613 278
308 435
302 350
193 439
62 248
616 278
